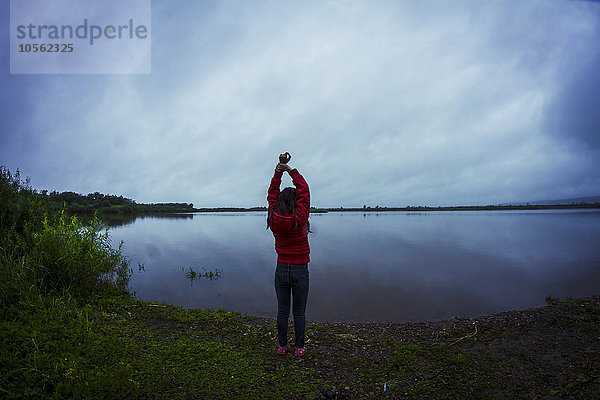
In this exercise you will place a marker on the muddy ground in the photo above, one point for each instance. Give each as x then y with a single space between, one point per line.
550 352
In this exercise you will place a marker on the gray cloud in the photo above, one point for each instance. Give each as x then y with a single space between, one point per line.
574 112
388 103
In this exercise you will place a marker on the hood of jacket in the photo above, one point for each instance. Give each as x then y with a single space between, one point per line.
281 224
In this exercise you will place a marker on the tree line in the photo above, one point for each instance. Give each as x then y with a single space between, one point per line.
109 204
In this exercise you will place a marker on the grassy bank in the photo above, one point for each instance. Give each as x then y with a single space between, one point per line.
116 347
69 330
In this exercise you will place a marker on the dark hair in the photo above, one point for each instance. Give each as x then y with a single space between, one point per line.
286 205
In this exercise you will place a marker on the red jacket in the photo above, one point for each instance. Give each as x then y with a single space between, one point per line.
291 244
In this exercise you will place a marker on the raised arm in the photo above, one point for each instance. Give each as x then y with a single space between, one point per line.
273 192
302 195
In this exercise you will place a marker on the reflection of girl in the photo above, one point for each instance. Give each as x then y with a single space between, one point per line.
288 219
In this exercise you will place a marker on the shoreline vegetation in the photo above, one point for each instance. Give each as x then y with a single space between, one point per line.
106 204
70 329
103 204
465 208
316 210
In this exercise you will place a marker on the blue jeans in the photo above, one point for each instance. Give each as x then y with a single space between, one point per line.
291 279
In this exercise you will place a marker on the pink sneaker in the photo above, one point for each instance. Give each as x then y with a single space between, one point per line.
281 350
300 351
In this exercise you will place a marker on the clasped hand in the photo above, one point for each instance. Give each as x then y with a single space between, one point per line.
283 166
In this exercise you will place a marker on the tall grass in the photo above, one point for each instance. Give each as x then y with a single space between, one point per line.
68 255
52 267
49 251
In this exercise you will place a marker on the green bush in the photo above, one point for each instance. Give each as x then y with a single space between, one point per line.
76 257
52 270
21 209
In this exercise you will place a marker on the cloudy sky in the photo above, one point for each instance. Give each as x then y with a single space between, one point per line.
379 102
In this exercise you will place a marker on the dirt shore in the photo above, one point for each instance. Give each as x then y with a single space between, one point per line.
550 352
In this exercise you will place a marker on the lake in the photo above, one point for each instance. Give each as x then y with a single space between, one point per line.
387 266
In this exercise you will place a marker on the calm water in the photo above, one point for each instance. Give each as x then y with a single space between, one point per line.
393 266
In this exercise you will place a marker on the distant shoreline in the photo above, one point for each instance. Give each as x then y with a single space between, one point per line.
418 208
121 206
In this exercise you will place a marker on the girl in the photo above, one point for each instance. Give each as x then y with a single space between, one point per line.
288 219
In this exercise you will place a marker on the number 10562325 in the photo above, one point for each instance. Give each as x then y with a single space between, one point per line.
45 48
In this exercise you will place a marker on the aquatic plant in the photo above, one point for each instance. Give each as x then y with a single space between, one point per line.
211 275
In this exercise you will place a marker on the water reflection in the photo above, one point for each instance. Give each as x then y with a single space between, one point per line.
115 220
393 266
